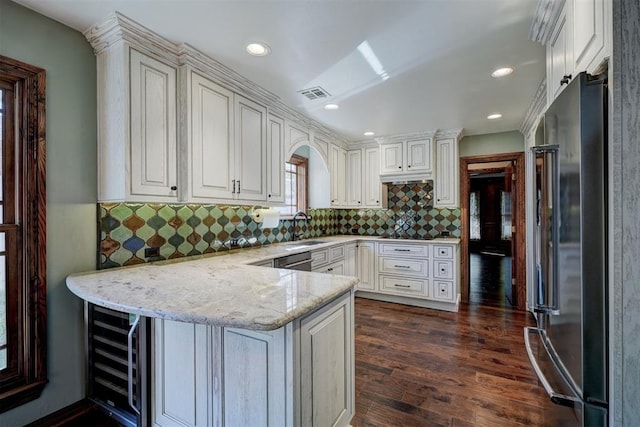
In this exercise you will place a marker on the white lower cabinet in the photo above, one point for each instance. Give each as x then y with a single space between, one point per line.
300 374
425 274
351 259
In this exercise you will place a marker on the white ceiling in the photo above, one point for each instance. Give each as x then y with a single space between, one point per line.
439 54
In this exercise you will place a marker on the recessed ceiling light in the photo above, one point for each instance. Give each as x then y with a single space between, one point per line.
258 49
494 116
369 133
501 72
331 106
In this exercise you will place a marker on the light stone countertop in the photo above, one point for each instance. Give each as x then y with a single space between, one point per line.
221 290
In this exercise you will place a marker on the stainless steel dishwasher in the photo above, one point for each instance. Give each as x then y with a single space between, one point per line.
301 261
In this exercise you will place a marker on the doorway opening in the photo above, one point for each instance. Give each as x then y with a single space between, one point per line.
493 224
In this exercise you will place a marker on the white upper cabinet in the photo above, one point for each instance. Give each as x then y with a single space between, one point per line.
250 146
413 156
275 159
354 178
591 33
577 34
338 168
210 164
137 119
447 174
559 56
372 189
153 127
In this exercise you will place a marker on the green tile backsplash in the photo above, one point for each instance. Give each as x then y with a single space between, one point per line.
127 230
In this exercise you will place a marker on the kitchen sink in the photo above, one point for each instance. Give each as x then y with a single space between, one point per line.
303 244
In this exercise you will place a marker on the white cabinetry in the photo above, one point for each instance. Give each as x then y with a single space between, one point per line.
354 178
275 159
425 274
338 166
137 135
447 173
326 366
407 157
367 266
300 374
250 145
372 189
351 259
578 38
209 142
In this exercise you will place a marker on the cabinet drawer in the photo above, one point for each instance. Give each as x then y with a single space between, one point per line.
442 290
442 269
411 267
336 253
319 258
394 285
443 251
403 250
334 268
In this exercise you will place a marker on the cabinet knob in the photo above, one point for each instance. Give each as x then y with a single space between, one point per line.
269 195
174 187
399 167
408 166
377 201
565 79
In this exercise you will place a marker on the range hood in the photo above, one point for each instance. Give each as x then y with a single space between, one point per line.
405 179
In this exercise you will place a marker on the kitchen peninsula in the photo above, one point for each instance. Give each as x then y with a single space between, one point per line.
236 344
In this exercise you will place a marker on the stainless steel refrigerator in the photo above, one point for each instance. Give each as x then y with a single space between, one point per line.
568 349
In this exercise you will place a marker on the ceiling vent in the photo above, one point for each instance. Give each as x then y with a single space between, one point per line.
314 93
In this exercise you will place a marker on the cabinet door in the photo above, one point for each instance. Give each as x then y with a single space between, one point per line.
212 151
182 374
589 34
391 158
419 157
351 259
354 180
254 377
559 54
447 168
154 166
372 187
250 146
338 176
275 160
366 266
326 370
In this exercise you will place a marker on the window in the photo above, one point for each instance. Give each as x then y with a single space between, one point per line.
474 215
22 233
505 211
295 183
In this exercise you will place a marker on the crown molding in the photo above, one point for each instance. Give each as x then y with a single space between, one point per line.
457 134
536 107
400 137
545 18
118 28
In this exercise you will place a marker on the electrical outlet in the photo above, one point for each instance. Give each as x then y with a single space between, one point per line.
444 233
152 252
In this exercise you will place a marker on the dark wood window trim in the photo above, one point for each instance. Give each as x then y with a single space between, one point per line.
302 164
26 376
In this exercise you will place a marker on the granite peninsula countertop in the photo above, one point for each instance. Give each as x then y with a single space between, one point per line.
221 290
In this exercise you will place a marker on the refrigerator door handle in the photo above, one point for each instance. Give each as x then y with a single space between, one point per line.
132 330
557 398
552 307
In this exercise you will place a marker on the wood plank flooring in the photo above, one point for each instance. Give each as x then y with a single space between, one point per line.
421 367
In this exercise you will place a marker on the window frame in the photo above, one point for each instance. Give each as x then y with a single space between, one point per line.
302 186
28 322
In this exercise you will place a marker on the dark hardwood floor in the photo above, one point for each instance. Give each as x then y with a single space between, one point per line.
422 367
490 279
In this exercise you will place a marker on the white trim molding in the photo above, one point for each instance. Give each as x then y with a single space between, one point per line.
544 20
535 109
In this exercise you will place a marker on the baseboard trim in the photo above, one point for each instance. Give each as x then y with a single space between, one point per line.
65 415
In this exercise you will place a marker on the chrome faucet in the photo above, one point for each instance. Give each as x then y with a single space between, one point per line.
295 236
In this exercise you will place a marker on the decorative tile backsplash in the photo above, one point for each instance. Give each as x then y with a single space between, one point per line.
410 213
179 230
128 230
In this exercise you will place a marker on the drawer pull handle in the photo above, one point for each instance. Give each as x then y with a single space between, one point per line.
402 266
401 286
329 269
402 250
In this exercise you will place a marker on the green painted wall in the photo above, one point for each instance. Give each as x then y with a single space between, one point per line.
492 143
71 191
